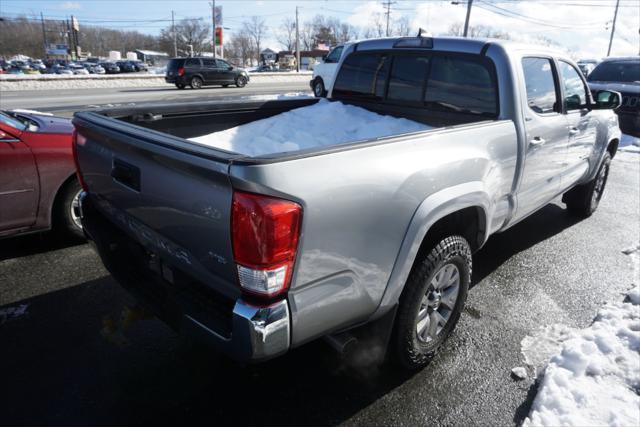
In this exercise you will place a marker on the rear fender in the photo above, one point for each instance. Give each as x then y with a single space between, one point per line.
432 209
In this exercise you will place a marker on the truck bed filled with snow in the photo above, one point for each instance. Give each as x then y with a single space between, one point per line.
323 124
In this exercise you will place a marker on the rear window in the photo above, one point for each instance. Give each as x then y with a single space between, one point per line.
440 82
363 76
616 71
408 75
461 85
174 64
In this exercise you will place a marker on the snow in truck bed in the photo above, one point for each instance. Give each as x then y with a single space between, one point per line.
323 124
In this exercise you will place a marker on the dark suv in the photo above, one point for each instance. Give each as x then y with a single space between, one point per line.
621 75
198 72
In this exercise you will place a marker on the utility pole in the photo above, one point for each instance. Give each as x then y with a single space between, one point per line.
466 21
297 43
388 4
613 27
44 34
175 37
213 15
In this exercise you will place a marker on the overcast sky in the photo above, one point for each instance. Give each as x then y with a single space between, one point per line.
581 26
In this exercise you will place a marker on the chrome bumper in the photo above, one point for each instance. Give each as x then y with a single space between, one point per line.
257 333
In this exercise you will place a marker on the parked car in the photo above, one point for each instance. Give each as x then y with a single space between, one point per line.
61 69
38 185
621 75
37 64
139 65
78 69
126 66
198 72
97 69
325 72
110 67
265 253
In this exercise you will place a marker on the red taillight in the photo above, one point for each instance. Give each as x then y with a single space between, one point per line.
181 71
265 233
80 140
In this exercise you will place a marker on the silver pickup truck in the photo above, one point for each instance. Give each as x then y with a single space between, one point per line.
258 255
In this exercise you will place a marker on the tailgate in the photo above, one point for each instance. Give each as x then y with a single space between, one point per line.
168 195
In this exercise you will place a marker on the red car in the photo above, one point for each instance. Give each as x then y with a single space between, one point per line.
38 185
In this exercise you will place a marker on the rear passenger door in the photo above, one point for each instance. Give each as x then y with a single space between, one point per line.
210 71
582 126
192 67
545 133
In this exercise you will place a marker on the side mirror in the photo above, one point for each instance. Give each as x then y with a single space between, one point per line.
607 100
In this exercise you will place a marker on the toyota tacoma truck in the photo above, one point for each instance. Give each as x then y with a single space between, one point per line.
261 254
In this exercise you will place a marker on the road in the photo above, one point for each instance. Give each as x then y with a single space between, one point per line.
65 102
59 366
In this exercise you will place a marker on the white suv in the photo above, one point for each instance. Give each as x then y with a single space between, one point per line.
325 72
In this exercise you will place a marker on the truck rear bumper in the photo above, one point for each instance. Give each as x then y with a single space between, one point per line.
244 332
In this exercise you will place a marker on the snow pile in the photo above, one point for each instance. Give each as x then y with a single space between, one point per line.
595 378
323 124
630 143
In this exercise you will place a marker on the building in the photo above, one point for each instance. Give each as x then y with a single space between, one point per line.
308 58
268 57
152 57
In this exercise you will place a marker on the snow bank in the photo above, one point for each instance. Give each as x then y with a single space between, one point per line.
595 377
323 124
12 82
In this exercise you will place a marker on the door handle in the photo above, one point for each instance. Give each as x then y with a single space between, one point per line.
537 141
573 131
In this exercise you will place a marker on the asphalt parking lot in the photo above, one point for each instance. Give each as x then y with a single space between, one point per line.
61 362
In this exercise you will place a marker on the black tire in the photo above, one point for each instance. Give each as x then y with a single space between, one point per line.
412 350
180 86
583 200
196 83
241 81
318 89
66 209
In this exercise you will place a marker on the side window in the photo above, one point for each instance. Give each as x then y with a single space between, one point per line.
540 84
334 55
209 63
192 62
222 64
575 95
362 76
461 85
407 78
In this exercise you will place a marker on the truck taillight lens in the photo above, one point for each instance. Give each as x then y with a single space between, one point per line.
181 71
265 234
80 140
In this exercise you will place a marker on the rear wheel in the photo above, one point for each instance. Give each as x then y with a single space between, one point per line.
196 83
584 199
241 81
68 210
432 301
318 89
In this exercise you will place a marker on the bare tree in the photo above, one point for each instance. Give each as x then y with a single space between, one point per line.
256 28
307 36
189 32
286 34
240 49
479 31
376 26
401 27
